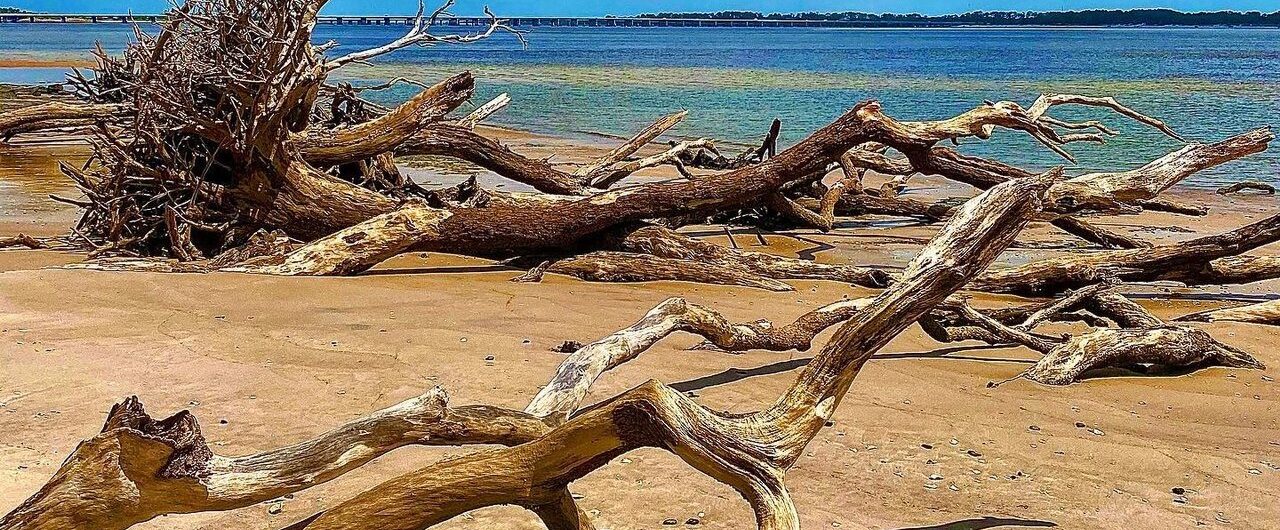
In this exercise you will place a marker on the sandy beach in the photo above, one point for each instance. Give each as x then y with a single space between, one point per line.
268 361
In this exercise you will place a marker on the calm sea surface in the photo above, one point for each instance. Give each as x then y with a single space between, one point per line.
1206 83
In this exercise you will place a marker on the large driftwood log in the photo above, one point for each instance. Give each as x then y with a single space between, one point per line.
138 467
508 228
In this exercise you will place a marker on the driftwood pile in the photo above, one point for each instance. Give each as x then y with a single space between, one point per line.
219 145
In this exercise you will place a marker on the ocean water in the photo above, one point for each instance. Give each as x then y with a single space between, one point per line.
1207 84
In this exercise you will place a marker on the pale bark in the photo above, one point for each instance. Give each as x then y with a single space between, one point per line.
1259 313
326 147
749 452
1193 262
1162 346
1105 190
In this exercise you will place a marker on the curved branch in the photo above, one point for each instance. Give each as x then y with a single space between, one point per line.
461 142
1046 101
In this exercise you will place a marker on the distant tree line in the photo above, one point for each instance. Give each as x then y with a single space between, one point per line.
11 10
1092 17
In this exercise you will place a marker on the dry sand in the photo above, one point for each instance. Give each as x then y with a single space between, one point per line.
282 359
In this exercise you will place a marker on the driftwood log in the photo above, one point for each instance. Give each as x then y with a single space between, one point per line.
219 145
181 174
139 468
1143 342
1259 313
1207 260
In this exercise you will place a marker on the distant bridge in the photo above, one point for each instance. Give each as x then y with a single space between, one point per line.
620 22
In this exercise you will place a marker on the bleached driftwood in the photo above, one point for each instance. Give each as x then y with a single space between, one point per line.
1259 313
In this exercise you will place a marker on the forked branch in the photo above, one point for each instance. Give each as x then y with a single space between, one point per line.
419 35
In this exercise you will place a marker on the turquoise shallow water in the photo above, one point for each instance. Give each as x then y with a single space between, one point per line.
1206 83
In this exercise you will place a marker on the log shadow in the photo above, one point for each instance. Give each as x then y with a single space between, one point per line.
1208 297
1143 372
987 522
455 269
945 353
734 375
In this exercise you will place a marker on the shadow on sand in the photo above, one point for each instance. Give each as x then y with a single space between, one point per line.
987 522
737 374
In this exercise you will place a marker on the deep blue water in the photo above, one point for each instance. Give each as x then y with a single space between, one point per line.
1206 83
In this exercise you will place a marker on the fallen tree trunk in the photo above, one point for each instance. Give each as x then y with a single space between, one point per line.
138 468
506 228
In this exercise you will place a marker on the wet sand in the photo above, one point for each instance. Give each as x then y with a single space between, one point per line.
282 359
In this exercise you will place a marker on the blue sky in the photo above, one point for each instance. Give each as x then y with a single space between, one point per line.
627 7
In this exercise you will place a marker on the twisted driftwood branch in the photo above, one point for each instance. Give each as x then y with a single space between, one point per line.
139 468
